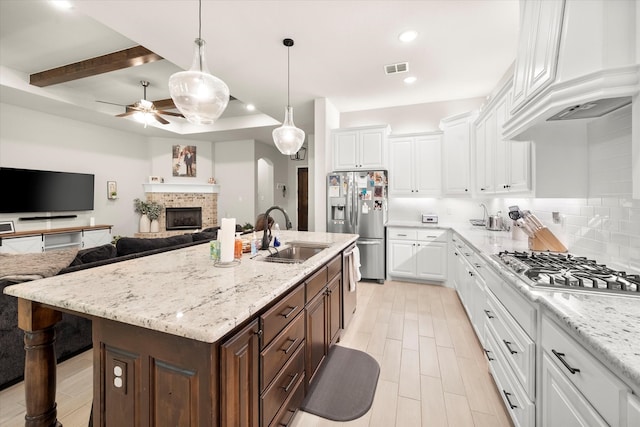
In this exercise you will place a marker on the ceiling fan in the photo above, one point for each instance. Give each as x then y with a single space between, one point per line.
144 110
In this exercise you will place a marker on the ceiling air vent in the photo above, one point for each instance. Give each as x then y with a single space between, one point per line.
400 67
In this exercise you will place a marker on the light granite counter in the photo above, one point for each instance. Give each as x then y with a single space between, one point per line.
607 324
180 292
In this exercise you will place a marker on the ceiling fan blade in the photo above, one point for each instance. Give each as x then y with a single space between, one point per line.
160 119
128 113
169 113
110 103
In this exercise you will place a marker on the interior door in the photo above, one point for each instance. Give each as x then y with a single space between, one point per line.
303 199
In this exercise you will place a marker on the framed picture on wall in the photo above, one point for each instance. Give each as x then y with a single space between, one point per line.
112 190
184 160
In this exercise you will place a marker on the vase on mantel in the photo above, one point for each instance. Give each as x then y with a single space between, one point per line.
155 226
145 224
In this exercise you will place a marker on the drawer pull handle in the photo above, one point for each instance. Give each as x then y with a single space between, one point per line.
293 343
293 412
488 313
258 332
511 405
291 311
489 358
402 235
564 362
293 380
508 344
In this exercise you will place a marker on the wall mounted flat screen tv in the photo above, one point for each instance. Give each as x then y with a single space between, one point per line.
27 190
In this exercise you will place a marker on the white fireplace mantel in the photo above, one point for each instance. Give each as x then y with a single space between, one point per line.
181 188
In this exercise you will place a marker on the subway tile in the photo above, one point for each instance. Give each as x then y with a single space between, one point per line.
629 227
611 201
586 211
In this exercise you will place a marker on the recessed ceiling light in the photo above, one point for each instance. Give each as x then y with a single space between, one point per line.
62 4
409 80
251 107
408 36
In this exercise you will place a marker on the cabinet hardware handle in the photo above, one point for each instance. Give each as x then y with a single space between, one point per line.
482 189
432 237
477 265
470 273
489 358
291 311
511 405
508 344
293 380
488 313
403 235
293 343
467 254
561 356
290 418
455 253
258 332
466 189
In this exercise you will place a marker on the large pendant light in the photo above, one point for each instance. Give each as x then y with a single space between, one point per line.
288 138
198 95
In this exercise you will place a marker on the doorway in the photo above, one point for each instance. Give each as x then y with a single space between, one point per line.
303 199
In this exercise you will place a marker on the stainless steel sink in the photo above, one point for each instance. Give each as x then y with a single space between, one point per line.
294 252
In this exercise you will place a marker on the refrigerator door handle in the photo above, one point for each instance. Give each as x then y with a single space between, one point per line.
354 206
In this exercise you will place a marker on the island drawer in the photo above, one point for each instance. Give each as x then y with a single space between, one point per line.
276 354
316 283
279 316
283 386
290 407
334 267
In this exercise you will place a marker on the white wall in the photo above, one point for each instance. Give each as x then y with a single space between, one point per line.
235 170
34 140
280 176
326 117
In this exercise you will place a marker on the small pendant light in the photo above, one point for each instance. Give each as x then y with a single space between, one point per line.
288 138
198 95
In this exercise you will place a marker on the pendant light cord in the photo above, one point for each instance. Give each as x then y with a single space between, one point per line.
288 76
200 41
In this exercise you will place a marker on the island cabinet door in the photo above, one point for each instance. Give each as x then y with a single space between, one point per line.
334 309
147 378
316 340
240 393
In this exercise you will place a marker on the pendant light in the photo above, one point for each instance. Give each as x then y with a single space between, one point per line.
198 95
288 138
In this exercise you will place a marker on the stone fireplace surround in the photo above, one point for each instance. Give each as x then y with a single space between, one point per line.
183 195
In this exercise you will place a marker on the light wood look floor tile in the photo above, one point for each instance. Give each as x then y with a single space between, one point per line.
433 371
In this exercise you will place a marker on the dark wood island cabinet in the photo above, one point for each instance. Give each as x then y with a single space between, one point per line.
251 371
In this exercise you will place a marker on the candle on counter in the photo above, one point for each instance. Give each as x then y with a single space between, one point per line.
227 239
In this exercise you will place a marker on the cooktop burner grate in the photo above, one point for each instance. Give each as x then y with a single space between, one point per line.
566 271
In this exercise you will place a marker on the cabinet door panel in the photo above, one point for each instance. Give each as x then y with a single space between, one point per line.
501 172
345 150
401 259
22 245
316 340
400 166
334 309
544 47
456 157
520 165
239 357
371 148
520 74
426 166
431 261
93 238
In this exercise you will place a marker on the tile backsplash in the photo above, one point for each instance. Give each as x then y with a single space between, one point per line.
606 229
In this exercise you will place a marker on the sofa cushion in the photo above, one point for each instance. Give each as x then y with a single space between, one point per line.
132 245
97 253
203 235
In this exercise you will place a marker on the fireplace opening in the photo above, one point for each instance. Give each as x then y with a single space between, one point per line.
184 218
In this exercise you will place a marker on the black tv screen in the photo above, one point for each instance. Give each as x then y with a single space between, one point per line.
26 190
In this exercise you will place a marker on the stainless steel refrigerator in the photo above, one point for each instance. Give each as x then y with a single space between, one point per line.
357 204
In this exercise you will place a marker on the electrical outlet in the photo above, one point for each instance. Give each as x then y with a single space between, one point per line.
556 217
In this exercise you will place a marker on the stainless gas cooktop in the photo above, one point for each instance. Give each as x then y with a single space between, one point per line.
568 272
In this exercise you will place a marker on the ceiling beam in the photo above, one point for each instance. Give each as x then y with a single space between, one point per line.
126 58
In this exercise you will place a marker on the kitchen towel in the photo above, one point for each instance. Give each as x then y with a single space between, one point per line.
355 275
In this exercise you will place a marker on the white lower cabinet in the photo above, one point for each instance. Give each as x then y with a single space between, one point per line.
22 245
417 254
93 238
633 410
573 374
49 240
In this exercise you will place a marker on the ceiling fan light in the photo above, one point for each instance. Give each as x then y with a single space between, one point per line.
142 117
198 95
288 138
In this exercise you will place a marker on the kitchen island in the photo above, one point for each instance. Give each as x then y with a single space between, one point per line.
168 331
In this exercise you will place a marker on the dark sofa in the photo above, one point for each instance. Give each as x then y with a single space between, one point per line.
73 333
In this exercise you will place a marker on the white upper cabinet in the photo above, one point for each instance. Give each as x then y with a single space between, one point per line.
541 25
501 165
414 165
456 145
360 148
571 53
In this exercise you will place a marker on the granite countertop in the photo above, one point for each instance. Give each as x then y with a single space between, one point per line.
607 324
180 292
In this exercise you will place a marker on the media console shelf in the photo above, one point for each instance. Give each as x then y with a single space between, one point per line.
57 238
